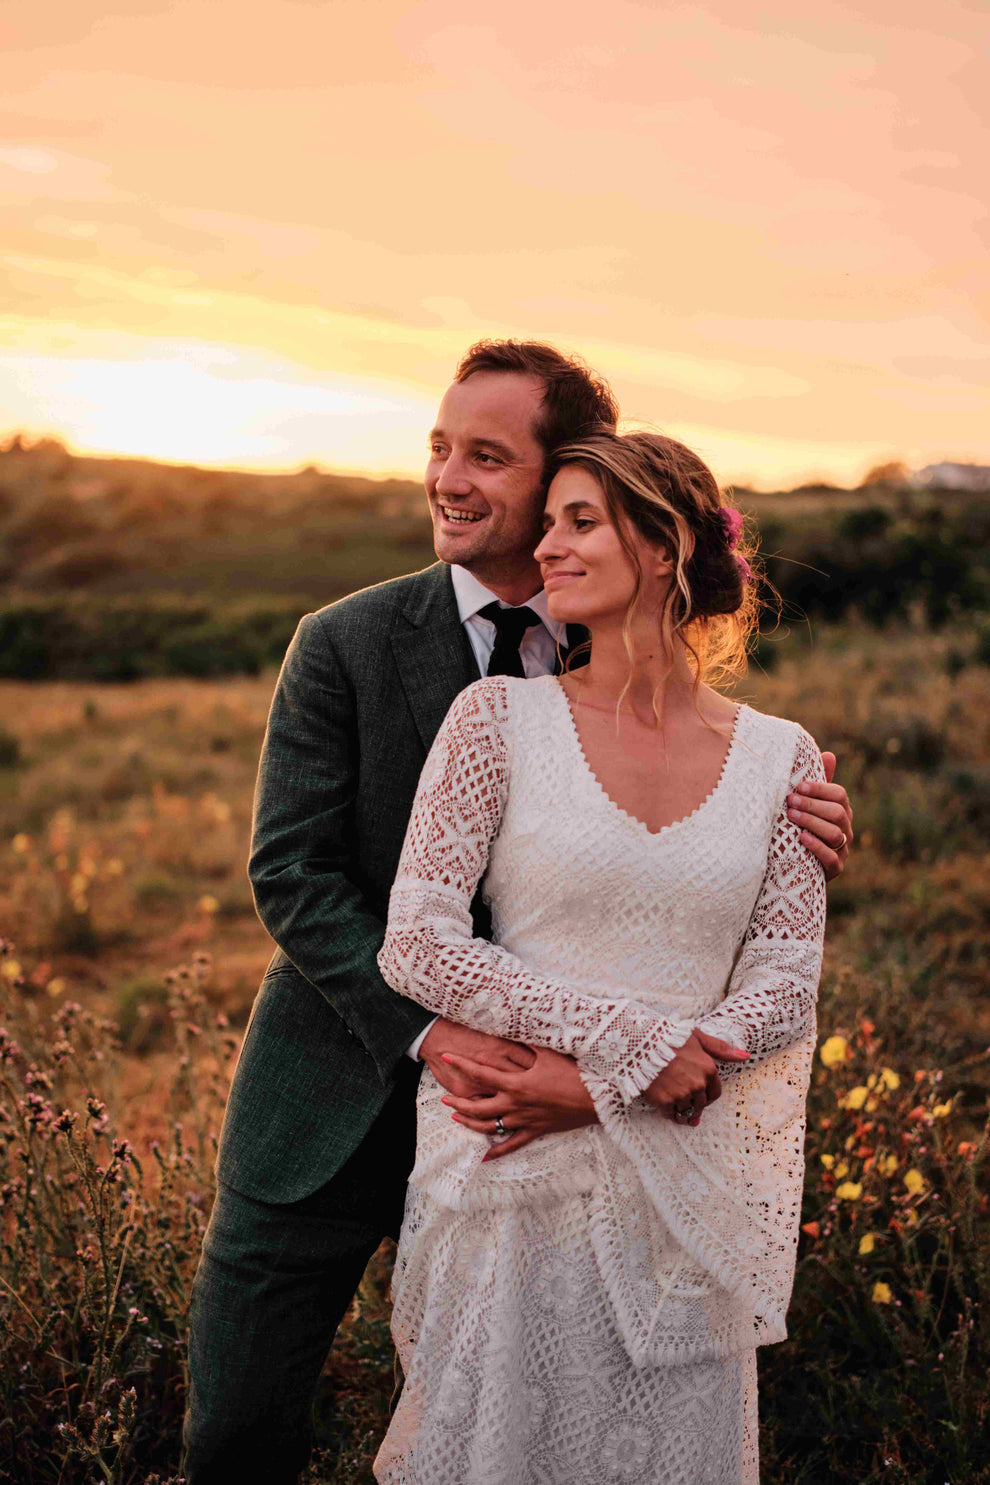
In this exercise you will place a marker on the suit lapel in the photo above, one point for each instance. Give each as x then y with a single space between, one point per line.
432 651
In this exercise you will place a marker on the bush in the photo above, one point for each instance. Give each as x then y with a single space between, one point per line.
98 1249
124 640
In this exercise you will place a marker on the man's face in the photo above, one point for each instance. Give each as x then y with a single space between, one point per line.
485 475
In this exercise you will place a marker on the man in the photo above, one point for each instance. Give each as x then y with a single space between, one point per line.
319 1133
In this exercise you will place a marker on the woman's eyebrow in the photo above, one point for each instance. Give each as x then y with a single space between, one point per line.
571 508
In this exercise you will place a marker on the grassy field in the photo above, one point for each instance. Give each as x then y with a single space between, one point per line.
134 955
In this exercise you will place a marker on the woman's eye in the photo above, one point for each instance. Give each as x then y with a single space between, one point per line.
583 523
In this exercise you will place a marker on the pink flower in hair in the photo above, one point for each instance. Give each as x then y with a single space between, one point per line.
732 524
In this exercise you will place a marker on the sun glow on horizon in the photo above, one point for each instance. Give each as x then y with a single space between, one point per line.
734 218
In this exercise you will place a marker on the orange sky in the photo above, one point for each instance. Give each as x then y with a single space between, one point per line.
261 233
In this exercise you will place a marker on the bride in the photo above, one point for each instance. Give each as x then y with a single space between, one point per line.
584 1309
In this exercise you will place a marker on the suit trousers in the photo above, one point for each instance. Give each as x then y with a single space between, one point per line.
271 1289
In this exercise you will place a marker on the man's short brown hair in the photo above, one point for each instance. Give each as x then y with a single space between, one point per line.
577 402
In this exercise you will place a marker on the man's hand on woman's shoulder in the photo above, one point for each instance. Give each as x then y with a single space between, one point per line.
824 813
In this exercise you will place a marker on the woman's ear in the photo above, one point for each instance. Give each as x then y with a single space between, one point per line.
662 562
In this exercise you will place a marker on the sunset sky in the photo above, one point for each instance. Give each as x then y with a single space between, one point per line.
260 232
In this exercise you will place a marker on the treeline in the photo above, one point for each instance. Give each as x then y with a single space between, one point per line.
123 639
122 568
908 555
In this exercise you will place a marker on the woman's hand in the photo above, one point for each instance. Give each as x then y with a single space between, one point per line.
545 1098
690 1081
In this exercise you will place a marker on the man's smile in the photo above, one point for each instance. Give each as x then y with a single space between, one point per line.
453 513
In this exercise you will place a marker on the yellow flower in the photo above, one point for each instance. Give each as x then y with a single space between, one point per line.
890 1079
881 1293
849 1191
11 969
942 1109
842 1169
912 1218
55 986
21 843
867 1243
833 1051
79 884
914 1181
887 1164
114 867
208 904
828 1161
855 1098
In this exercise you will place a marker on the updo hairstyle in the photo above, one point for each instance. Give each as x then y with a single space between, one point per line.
671 498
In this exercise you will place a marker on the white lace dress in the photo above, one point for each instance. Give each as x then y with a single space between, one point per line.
585 1311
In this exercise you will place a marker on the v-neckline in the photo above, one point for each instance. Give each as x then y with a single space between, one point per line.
599 787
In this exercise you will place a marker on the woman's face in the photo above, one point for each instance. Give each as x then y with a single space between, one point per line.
587 573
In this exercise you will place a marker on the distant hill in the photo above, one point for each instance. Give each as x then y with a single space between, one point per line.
116 526
125 567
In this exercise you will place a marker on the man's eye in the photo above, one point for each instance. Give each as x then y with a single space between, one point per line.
488 458
436 450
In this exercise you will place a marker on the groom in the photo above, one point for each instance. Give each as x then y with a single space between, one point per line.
319 1133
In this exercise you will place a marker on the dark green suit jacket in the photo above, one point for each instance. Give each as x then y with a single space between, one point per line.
363 689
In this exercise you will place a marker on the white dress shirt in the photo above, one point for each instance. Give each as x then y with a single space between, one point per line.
537 651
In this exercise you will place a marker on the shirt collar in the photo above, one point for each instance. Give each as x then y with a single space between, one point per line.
472 595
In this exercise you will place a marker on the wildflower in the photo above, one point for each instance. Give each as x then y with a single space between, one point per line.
966 1148
11 969
828 1161
21 843
941 1110
849 1191
855 1098
866 1244
867 1027
122 1150
890 1079
887 1164
95 1108
833 1051
55 985
812 1229
8 1047
208 905
881 1293
65 1121
841 1170
114 867
914 1181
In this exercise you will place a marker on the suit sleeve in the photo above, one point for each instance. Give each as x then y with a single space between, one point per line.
301 865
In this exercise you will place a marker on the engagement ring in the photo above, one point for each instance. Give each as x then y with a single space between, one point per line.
499 1126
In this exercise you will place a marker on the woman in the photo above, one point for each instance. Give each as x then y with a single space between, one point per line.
586 1309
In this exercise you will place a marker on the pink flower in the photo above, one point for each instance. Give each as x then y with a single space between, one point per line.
732 524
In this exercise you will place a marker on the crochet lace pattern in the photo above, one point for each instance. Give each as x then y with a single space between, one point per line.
611 942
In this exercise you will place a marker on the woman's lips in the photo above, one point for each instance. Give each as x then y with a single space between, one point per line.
554 579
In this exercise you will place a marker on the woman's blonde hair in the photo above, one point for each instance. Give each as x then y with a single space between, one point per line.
671 498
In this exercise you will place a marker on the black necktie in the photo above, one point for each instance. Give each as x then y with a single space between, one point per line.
510 626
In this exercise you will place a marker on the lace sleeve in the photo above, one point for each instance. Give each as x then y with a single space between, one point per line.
771 998
429 953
